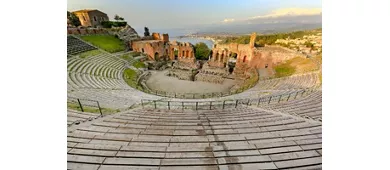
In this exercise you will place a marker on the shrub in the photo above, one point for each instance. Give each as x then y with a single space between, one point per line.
109 24
130 76
139 64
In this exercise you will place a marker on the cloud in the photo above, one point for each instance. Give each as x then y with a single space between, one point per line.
228 20
290 12
284 15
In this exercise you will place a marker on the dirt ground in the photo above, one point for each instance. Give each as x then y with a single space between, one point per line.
159 81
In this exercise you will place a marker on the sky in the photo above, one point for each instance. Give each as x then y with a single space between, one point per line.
169 14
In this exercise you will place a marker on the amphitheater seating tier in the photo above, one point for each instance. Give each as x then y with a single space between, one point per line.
75 46
242 138
308 107
78 117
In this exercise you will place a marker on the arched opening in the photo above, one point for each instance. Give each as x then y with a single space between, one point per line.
211 54
244 59
187 52
222 57
234 55
182 54
266 65
216 57
175 53
156 57
143 50
231 66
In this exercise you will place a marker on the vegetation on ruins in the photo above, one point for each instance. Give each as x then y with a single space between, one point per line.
110 24
89 53
106 42
130 77
296 65
73 19
127 57
284 69
202 52
270 39
139 64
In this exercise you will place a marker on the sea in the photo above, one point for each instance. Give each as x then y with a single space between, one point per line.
193 41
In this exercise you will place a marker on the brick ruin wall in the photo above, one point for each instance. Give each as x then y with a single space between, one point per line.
249 56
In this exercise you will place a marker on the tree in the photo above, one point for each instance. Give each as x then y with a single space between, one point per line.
146 33
121 18
73 19
117 17
202 52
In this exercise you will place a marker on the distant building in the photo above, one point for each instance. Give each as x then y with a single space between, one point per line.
91 18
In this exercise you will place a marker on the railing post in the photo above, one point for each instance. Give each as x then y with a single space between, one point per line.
303 92
100 110
196 106
269 101
236 104
203 95
155 106
175 94
142 103
223 105
156 92
249 100
258 102
211 104
182 105
296 95
193 96
280 98
169 106
81 107
288 96
221 94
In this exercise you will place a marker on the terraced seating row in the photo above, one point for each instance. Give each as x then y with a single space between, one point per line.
75 46
292 82
308 107
76 117
92 64
242 138
101 71
111 98
78 80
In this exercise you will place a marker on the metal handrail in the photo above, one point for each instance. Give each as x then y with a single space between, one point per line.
214 104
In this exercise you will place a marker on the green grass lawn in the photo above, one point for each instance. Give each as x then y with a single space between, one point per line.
106 42
284 70
130 77
139 64
89 53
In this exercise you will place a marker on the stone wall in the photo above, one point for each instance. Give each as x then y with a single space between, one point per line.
127 34
217 79
181 74
86 31
185 65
